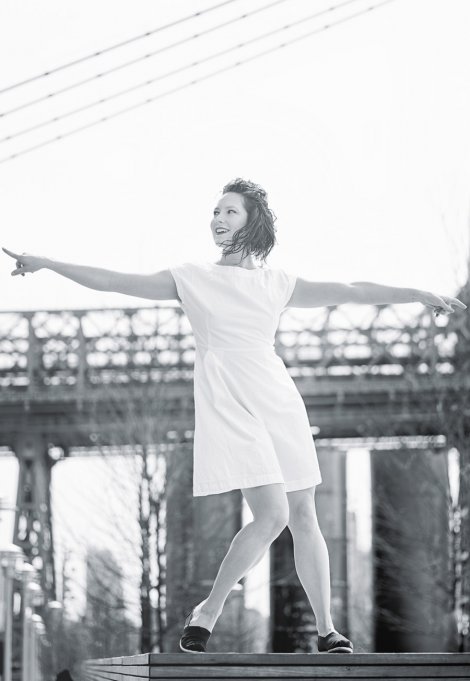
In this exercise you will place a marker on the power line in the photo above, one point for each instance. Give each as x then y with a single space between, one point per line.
168 74
188 84
138 59
115 47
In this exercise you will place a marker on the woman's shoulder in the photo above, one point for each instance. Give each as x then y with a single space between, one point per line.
189 265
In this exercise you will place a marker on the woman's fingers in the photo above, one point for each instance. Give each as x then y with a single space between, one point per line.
456 301
443 304
10 253
439 309
20 266
20 269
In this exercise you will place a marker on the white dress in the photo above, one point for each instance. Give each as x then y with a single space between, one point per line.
251 424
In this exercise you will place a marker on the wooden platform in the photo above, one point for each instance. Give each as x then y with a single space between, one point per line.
234 666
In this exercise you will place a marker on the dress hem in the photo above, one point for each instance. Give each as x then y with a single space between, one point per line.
291 485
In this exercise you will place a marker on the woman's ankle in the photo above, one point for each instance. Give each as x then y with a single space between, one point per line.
203 618
208 609
324 631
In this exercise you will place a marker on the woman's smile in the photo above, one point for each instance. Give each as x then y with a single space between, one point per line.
230 210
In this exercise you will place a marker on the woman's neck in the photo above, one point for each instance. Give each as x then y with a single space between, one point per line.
234 260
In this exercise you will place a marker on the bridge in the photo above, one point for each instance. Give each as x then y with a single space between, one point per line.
87 380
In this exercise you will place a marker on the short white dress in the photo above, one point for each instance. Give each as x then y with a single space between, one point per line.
251 424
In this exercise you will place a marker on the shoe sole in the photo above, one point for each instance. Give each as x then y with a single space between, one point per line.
186 650
337 650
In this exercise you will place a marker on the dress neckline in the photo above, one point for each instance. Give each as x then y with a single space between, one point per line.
238 268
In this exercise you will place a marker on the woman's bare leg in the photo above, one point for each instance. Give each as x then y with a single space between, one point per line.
311 556
270 509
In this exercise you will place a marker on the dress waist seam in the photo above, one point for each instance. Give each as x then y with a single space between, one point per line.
249 348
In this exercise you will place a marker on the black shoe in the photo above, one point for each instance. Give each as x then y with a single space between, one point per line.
194 639
334 643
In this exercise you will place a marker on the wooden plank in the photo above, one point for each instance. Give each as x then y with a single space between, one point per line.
292 659
310 672
86 676
105 660
264 666
103 675
113 672
139 671
92 675
143 658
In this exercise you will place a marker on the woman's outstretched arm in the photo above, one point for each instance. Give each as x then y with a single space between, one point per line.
158 286
324 293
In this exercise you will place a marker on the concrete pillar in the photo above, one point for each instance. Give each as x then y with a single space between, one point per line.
33 522
411 547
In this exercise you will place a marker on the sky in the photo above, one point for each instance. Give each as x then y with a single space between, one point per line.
359 133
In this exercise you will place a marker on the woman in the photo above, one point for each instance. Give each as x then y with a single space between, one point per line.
252 430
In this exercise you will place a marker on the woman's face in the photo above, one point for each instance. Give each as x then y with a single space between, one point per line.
230 214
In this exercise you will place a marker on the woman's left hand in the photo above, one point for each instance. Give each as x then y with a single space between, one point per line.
440 304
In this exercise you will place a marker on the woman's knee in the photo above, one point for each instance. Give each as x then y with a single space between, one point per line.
272 524
302 510
269 506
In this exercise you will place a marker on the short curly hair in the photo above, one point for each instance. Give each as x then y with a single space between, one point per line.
258 236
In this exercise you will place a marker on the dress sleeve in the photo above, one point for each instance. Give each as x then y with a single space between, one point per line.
286 286
182 275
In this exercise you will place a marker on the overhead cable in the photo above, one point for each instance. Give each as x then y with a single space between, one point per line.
138 59
168 74
115 47
190 83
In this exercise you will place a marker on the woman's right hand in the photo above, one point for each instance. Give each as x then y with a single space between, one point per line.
440 304
25 263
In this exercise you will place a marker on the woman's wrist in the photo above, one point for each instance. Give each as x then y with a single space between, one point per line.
417 295
46 263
